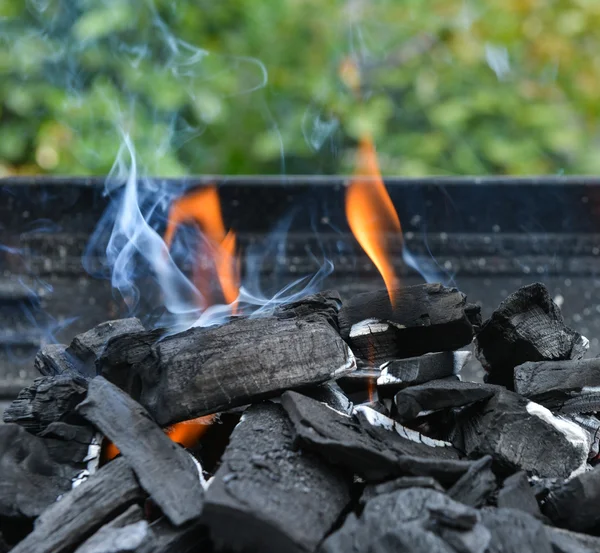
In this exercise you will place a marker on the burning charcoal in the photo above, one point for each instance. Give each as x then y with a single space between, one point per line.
359 381
514 532
86 348
438 394
564 386
83 510
415 519
476 485
205 370
125 533
565 541
30 479
426 318
49 399
404 482
516 433
527 326
400 373
165 470
374 452
325 304
575 504
279 498
516 493
331 394
53 359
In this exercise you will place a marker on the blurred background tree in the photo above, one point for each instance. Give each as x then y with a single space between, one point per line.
252 86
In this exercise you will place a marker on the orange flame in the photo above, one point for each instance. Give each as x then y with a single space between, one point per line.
204 208
186 433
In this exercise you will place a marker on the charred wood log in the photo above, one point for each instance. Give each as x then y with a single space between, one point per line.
516 493
86 348
574 505
564 386
66 523
401 373
437 395
326 304
277 498
360 380
164 469
415 519
125 533
527 326
514 532
375 453
53 359
426 318
476 485
205 370
49 399
30 479
332 395
516 432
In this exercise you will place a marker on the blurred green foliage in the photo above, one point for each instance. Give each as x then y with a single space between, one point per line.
253 86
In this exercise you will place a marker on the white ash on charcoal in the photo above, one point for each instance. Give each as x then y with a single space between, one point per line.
527 326
374 452
165 470
574 505
517 493
49 399
522 435
276 497
475 486
205 370
80 512
332 395
419 520
571 386
425 318
436 395
401 373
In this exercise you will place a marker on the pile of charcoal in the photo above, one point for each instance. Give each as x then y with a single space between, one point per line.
335 427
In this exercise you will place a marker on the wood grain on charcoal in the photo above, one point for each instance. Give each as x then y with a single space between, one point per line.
53 359
49 399
515 432
527 326
205 370
269 496
83 510
374 453
165 470
426 318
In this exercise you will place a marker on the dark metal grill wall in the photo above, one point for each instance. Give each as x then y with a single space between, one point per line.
487 235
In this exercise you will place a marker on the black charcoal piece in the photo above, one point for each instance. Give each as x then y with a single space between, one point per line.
565 541
574 505
371 490
72 444
527 326
86 348
571 386
400 373
438 394
206 370
269 496
517 493
326 304
30 479
125 533
476 485
425 318
591 425
165 470
418 520
66 523
360 380
162 537
376 453
519 433
514 531
53 359
331 394
49 399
